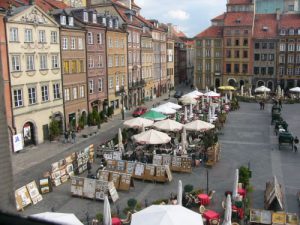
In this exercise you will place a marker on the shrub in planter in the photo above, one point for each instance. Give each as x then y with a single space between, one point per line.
81 122
54 129
244 176
188 188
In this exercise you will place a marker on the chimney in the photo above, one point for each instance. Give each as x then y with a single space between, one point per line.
278 14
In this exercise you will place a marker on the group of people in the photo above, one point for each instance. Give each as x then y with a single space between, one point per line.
70 136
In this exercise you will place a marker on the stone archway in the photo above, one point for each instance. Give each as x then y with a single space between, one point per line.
231 82
270 85
242 83
260 83
29 134
217 82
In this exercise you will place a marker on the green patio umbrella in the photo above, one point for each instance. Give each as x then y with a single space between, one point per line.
152 115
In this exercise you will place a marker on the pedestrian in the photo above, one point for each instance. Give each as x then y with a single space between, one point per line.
260 104
296 141
280 103
66 134
89 166
263 105
73 135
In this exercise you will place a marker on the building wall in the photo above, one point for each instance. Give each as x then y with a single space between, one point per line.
74 76
147 66
117 69
268 6
38 114
170 62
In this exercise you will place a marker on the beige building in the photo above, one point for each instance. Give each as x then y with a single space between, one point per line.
34 62
170 63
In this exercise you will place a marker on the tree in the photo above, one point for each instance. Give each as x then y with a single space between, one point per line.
54 129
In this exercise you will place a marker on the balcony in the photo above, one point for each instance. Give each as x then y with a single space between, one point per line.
120 90
137 84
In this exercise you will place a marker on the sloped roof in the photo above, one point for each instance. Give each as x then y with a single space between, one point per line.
289 21
265 26
238 19
239 2
220 17
45 5
211 32
122 12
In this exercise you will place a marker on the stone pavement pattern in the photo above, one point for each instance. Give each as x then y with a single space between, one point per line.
248 137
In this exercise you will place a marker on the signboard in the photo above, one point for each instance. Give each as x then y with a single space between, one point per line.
18 142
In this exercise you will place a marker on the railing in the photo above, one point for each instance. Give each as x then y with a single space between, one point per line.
137 84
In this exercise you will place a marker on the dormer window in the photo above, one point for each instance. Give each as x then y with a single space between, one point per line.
238 21
282 32
104 21
71 21
94 18
63 20
85 17
116 23
291 31
110 23
265 28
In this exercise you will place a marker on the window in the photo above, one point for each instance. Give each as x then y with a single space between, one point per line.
100 61
218 54
90 38
18 97
30 62
43 62
110 61
281 70
245 54
228 68
282 32
257 45
117 80
73 43
110 43
116 43
63 20
45 93
264 45
80 43
256 57
65 43
94 18
80 66
291 47
123 80
256 70
32 95
236 54
298 59
53 37
297 70
281 58
236 68
91 62
42 36
91 86
228 53
264 57
85 17
298 47
245 68
67 94
15 60
81 92
28 35
56 91
122 60
99 38
217 67
271 57
55 62
263 71
110 83
100 85
290 71
14 34
71 21
290 58
228 42
129 36
207 52
270 70
116 60
74 93
245 42
74 66
291 8
237 42
66 67
271 46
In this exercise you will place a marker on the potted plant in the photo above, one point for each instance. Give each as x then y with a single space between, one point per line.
54 129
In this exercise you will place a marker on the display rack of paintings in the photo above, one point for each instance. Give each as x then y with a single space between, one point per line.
116 155
149 172
77 186
34 192
166 160
122 181
45 185
89 188
115 178
126 182
157 159
130 167
139 171
160 174
22 198
113 192
103 175
101 189
121 166
111 165
181 164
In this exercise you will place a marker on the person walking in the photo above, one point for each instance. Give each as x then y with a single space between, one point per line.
73 135
280 103
260 104
66 134
296 141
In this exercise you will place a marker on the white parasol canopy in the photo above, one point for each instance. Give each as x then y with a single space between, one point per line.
191 111
235 185
138 122
228 211
186 100
151 137
242 90
196 92
179 193
168 125
120 140
185 113
166 215
262 89
199 125
172 105
106 212
295 89
212 94
59 218
164 110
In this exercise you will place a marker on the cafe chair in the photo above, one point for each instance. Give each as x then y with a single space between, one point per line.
214 222
202 209
211 194
127 221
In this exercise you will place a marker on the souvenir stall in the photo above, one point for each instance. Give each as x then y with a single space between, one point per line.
266 217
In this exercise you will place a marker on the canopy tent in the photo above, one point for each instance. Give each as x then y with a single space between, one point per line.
166 215
138 122
262 89
196 92
295 89
228 211
59 218
187 100
226 88
106 212
235 185
164 110
153 115
212 94
168 125
151 137
198 125
172 105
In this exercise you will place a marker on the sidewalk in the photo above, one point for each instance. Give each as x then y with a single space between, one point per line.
35 155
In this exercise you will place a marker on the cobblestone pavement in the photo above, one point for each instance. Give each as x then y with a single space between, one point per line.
248 137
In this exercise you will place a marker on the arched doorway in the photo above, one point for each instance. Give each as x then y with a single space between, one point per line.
260 83
270 85
242 83
217 83
232 82
29 134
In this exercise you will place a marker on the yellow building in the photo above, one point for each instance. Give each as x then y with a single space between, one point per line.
117 67
170 63
35 72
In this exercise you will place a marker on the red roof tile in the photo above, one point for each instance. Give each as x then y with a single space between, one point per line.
239 2
45 5
122 12
265 26
220 17
211 32
238 19
289 21
144 20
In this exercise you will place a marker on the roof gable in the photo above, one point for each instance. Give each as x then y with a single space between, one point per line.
239 19
211 32
265 26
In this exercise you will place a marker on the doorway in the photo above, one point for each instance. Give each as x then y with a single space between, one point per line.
29 134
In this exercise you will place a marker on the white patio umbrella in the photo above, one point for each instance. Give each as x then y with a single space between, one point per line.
172 105
179 193
164 110
262 89
206 89
228 211
59 218
202 102
186 100
196 92
191 111
242 90
106 212
120 140
250 94
215 90
282 93
185 113
143 128
226 98
199 125
183 141
278 91
168 125
209 114
151 137
138 122
295 89
212 94
235 185
192 94
166 215
230 95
